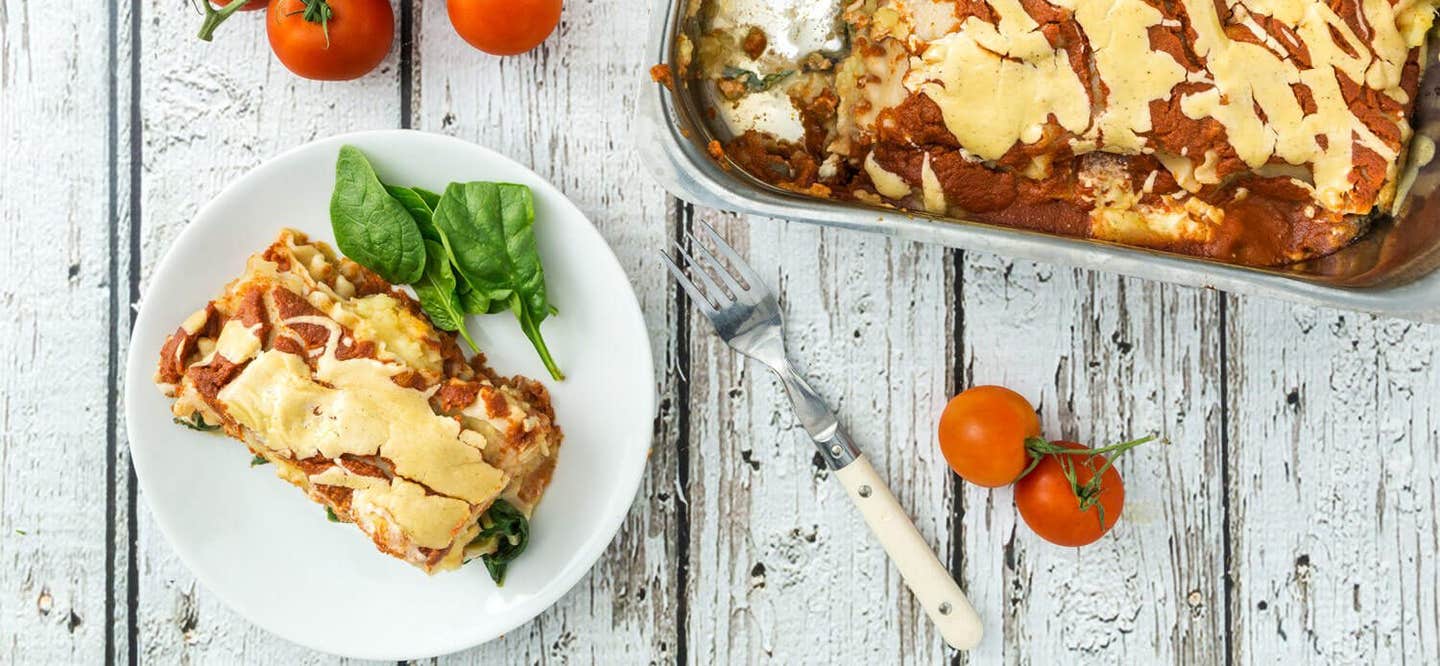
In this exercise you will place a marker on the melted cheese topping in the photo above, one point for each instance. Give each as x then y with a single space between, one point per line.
379 318
1000 84
886 183
430 521
1134 74
195 321
395 330
1249 79
237 343
357 410
1182 169
931 190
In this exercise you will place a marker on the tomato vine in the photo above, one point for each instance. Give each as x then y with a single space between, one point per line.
1088 494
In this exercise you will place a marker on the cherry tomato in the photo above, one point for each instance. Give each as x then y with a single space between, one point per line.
1051 505
983 433
504 27
330 40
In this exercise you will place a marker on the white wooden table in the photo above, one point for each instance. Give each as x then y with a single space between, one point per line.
1292 520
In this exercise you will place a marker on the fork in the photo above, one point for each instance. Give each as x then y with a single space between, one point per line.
747 317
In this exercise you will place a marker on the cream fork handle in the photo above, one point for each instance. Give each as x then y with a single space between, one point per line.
923 573
927 579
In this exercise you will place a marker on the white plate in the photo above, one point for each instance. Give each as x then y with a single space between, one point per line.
266 550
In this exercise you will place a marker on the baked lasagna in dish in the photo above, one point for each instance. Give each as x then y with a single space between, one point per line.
339 381
1260 132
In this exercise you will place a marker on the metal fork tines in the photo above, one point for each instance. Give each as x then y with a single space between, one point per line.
747 317
733 297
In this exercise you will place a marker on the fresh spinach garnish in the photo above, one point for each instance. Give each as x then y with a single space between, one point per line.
330 515
753 81
436 290
431 199
491 230
509 530
196 422
474 244
421 204
258 460
419 210
370 225
473 301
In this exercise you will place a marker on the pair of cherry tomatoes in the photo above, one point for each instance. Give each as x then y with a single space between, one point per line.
337 40
1067 493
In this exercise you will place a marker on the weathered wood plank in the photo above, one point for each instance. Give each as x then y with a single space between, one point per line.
210 113
55 293
125 129
1335 456
564 110
1103 358
782 568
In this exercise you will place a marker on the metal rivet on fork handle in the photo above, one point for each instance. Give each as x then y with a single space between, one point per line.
864 491
945 608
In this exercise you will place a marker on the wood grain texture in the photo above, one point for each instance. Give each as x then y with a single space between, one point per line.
211 112
564 111
1324 423
1104 359
782 568
124 279
1335 455
55 296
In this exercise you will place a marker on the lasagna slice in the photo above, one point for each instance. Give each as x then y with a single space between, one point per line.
338 379
1260 132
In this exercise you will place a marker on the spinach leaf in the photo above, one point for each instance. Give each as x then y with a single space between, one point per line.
509 530
196 422
370 226
755 82
421 205
259 460
528 301
330 515
419 210
436 290
491 229
431 199
473 301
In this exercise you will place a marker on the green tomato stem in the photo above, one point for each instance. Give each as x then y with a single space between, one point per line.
1088 495
214 17
1039 447
318 11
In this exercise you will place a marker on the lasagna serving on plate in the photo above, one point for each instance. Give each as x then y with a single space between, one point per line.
1261 132
336 378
